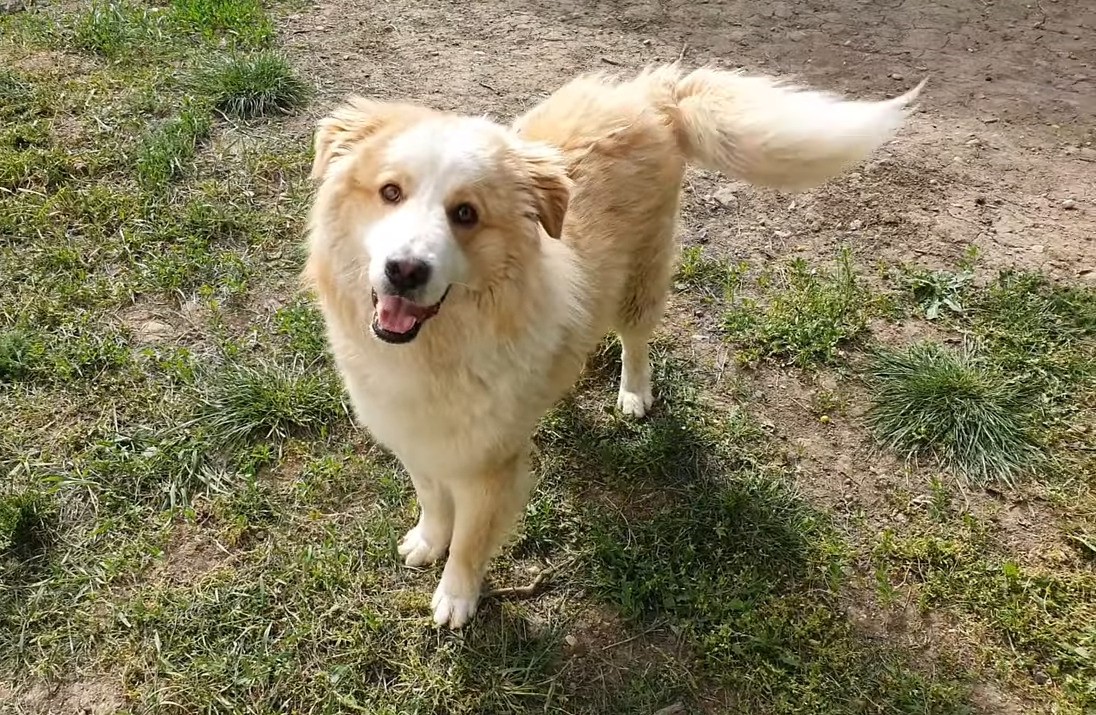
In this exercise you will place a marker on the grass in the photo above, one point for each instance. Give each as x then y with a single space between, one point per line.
188 521
711 278
165 152
804 317
253 86
242 21
929 400
243 401
1025 379
117 30
1034 620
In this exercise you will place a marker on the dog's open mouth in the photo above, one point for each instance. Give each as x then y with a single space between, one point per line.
398 320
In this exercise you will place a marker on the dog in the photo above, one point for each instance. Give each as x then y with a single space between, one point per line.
466 269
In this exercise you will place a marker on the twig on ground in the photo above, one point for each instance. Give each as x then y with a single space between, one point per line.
530 589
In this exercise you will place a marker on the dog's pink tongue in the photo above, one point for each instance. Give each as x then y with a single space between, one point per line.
395 314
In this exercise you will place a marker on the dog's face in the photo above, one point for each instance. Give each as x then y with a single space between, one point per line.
425 203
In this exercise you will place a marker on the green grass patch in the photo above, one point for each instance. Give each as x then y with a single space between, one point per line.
267 401
117 30
929 400
1026 377
804 316
711 278
253 86
164 154
1037 622
70 352
241 21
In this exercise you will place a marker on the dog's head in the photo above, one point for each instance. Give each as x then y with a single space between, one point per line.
416 203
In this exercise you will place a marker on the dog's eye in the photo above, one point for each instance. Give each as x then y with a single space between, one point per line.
463 215
391 193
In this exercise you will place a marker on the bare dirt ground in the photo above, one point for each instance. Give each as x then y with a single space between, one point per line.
1001 156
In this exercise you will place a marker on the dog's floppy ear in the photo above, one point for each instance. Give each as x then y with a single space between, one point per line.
349 124
549 185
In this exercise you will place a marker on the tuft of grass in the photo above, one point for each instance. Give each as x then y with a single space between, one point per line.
302 326
242 21
712 278
253 86
17 96
164 153
241 401
117 29
19 353
929 400
806 315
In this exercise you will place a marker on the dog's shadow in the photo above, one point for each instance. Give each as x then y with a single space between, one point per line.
702 561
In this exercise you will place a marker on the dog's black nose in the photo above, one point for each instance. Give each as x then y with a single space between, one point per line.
408 274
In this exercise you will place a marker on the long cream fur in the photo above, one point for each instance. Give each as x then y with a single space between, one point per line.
580 198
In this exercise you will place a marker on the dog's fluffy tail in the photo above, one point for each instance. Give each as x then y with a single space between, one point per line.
768 132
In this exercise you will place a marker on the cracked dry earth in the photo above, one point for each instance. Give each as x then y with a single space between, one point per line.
1001 155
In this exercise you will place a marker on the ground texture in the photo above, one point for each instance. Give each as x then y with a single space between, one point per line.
867 486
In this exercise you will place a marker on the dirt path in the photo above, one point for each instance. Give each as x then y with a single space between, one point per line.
1001 156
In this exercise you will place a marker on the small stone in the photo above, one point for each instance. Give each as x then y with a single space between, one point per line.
782 234
896 76
1040 677
1069 204
570 640
698 313
990 120
856 225
533 569
1037 248
725 197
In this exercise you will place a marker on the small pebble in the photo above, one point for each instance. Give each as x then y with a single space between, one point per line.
1069 204
897 76
856 225
1040 677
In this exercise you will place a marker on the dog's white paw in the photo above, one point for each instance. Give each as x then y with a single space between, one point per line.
635 404
417 550
454 607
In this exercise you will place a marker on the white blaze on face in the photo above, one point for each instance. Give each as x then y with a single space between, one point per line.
437 158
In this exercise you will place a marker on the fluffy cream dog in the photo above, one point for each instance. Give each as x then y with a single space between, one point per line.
466 269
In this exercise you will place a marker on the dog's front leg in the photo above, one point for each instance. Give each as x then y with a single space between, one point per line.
428 540
486 507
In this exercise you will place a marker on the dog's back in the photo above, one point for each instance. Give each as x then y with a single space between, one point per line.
626 145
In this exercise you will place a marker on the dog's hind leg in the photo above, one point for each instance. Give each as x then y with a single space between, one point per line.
486 507
640 312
